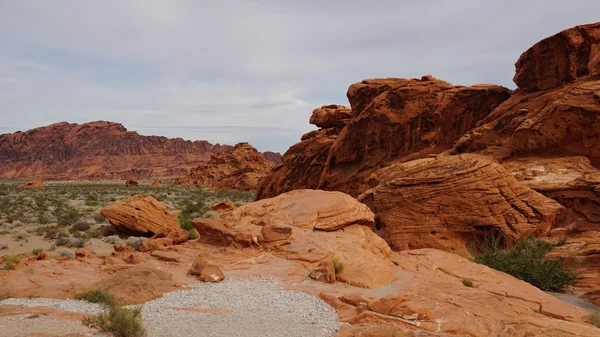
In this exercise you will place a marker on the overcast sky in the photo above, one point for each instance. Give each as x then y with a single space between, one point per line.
231 71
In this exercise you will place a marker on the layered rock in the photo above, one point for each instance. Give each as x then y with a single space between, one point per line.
328 116
392 119
310 226
97 150
560 59
448 201
144 215
239 168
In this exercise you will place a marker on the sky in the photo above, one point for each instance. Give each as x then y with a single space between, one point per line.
232 71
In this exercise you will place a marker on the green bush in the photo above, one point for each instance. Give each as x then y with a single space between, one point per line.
594 318
467 282
526 261
193 234
11 262
96 296
37 251
338 265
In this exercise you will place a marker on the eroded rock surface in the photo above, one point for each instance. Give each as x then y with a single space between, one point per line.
240 168
144 215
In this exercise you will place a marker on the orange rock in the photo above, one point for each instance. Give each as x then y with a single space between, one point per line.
83 253
211 274
144 215
33 184
560 59
239 168
157 184
445 202
387 304
393 119
325 272
270 233
166 256
327 116
198 265
223 206
98 150
123 248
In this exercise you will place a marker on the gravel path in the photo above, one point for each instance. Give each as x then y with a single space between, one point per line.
234 307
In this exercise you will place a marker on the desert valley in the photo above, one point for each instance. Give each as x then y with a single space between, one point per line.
422 208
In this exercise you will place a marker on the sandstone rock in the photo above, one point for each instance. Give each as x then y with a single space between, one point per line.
83 253
144 215
325 272
166 256
386 304
240 168
325 224
274 157
560 59
393 119
223 206
198 265
123 248
211 274
97 150
327 116
157 184
270 233
33 184
446 202
132 183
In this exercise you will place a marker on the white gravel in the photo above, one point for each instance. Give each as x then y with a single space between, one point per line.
64 305
258 308
247 308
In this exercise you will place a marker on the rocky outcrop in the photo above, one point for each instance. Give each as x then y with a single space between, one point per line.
560 59
223 206
328 116
205 271
157 184
97 150
132 183
446 202
309 226
33 184
144 215
274 157
392 119
239 168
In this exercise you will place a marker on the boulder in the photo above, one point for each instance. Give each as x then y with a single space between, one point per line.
144 215
309 226
392 119
328 116
33 184
223 206
211 274
325 272
132 183
560 59
239 168
157 184
448 201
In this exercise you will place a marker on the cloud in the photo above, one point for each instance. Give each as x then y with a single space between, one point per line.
252 71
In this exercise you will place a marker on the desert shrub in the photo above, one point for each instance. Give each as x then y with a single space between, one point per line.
77 242
193 234
396 262
467 282
191 210
99 218
93 233
63 241
37 251
113 240
119 321
5 231
80 226
42 218
91 200
67 215
96 296
108 231
20 235
338 265
51 231
3 246
210 215
135 242
67 253
526 261
11 261
594 318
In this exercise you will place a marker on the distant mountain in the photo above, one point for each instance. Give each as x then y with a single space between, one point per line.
99 150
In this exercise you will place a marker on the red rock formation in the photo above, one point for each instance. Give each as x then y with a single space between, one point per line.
144 215
132 183
97 150
157 184
223 206
392 119
328 116
446 202
239 168
560 59
33 184
274 157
